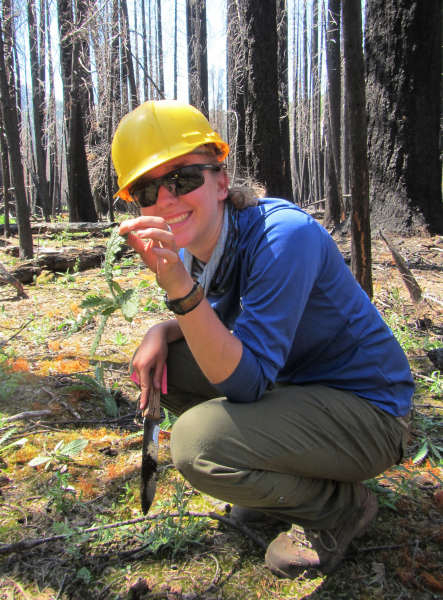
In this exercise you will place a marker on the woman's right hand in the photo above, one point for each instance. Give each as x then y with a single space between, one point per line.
151 355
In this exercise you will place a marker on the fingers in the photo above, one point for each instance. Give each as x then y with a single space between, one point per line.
158 372
144 377
143 223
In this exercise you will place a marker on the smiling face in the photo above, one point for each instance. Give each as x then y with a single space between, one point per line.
196 218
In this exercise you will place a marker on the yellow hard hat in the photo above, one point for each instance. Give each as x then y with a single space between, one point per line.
156 132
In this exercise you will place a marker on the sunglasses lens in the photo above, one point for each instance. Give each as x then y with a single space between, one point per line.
181 181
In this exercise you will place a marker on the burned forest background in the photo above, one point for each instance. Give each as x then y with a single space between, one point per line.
324 103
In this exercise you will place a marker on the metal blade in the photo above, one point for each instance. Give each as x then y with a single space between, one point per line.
148 475
151 429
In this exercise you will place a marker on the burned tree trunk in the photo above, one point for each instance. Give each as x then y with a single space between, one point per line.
10 121
263 139
403 71
236 91
283 96
197 55
361 261
38 96
333 196
80 200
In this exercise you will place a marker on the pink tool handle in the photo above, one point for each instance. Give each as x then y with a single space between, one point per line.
164 384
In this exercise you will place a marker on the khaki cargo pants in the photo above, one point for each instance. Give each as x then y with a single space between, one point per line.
295 454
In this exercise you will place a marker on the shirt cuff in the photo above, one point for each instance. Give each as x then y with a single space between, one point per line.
246 383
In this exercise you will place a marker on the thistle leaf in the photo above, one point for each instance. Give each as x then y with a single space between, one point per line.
422 453
94 301
74 447
99 334
39 460
111 406
117 288
129 303
115 242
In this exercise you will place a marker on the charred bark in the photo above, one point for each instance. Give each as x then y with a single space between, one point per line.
263 139
283 96
38 96
10 121
334 98
403 73
197 55
361 261
236 90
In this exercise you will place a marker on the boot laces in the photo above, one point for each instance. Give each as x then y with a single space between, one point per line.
301 535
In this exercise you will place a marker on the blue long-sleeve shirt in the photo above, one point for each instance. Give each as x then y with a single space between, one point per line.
302 317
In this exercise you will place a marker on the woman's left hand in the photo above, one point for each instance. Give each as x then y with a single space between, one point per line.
155 243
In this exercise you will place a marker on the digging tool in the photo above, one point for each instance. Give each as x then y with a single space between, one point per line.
151 430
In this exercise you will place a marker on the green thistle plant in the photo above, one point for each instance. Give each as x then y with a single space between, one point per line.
127 301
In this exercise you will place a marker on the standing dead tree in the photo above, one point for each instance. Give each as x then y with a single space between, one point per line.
197 55
361 260
10 122
333 204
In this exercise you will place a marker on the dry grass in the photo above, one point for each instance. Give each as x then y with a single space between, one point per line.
41 361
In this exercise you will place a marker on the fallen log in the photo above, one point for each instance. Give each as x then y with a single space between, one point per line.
6 277
62 261
66 227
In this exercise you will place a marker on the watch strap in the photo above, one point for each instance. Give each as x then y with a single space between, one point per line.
182 306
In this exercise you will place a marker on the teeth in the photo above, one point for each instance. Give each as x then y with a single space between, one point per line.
178 219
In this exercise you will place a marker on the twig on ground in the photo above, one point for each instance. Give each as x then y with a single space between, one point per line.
26 415
396 546
436 300
92 421
16 333
28 544
70 409
214 579
61 588
258 540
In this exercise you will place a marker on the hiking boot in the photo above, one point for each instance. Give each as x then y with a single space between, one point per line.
250 516
305 550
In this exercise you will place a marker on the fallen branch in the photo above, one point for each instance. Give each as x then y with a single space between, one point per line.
396 546
16 333
28 544
62 261
436 300
409 280
30 414
65 227
6 277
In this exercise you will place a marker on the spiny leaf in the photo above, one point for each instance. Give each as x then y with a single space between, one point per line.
7 435
109 311
422 453
74 447
129 303
94 301
111 406
117 288
115 242
98 335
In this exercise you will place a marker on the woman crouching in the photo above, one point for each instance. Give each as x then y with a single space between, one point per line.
290 388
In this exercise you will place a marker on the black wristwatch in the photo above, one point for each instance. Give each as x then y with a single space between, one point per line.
182 306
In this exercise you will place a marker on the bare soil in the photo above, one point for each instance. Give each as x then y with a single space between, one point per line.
401 556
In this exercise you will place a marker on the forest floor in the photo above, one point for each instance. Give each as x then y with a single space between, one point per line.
188 558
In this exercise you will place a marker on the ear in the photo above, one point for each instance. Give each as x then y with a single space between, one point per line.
222 185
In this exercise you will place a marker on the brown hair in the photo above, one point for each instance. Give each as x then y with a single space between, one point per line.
241 196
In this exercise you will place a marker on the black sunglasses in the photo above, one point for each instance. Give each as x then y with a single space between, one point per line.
179 182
